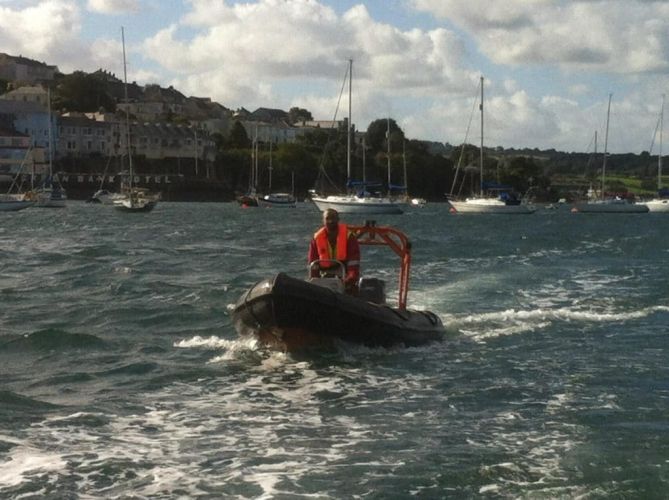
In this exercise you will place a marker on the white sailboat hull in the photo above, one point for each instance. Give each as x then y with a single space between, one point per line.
490 206
14 202
610 207
658 205
277 200
106 197
51 198
128 205
358 205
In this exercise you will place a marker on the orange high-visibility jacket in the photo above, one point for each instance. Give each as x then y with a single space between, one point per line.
347 250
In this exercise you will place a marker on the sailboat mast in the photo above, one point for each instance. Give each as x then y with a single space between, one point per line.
606 144
48 97
364 164
481 152
269 187
254 167
127 111
404 168
348 131
388 150
659 155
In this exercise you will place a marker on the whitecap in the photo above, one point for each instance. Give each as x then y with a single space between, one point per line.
25 461
515 321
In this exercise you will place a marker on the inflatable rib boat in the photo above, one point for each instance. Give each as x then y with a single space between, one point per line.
290 314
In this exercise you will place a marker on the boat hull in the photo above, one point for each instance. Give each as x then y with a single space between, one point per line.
290 314
51 198
610 208
276 201
478 207
357 205
137 206
14 205
661 205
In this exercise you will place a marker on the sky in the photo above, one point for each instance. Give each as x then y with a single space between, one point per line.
549 66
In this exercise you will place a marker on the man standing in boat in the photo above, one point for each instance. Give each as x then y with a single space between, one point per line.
334 242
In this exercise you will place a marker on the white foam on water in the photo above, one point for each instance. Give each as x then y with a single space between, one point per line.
23 462
515 321
233 349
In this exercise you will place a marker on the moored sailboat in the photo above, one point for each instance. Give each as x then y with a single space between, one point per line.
482 204
133 199
602 204
277 199
50 194
660 204
360 202
14 201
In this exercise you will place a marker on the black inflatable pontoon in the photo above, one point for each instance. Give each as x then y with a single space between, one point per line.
291 314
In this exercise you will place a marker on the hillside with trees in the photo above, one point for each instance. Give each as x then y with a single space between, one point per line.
318 157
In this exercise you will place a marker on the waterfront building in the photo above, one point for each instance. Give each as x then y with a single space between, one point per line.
22 69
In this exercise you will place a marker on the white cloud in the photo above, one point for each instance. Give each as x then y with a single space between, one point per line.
40 30
619 36
284 53
241 54
113 6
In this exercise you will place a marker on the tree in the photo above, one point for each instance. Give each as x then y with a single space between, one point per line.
82 92
375 137
238 138
296 115
521 172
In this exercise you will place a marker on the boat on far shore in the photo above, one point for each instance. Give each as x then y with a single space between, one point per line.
491 199
13 202
601 203
132 199
277 200
660 203
360 202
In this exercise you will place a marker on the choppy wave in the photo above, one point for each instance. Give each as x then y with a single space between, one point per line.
54 339
10 401
122 375
513 321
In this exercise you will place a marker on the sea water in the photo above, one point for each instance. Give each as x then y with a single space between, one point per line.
121 374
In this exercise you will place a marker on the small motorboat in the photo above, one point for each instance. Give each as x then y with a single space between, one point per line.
291 314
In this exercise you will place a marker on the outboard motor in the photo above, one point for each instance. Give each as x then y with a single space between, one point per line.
372 290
